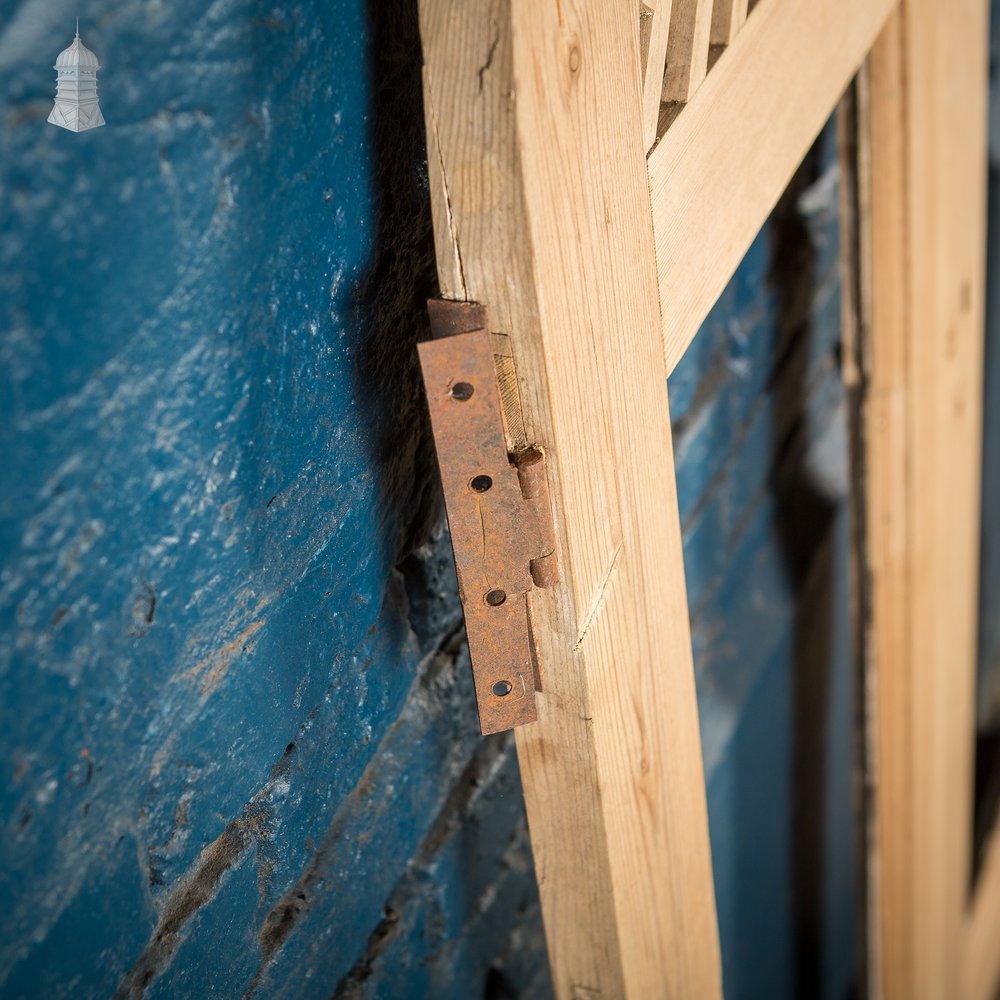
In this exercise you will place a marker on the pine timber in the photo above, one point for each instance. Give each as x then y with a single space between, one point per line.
655 25
727 19
541 213
927 121
687 48
722 164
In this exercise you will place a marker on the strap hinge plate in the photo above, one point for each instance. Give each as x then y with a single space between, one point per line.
498 513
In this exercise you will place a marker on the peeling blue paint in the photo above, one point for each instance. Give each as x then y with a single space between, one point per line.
239 754
210 399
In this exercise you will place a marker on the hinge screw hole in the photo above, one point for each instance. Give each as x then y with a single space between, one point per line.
494 598
462 391
480 484
502 688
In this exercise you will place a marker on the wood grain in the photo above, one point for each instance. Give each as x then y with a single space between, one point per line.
927 123
542 213
722 165
687 48
728 17
656 30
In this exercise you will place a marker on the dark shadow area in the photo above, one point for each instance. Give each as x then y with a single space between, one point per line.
804 520
390 302
987 767
987 795
498 987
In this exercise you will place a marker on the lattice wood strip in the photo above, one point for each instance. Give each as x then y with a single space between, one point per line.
687 48
728 17
680 41
718 171
654 25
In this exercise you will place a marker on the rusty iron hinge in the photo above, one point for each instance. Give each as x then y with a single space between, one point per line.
498 513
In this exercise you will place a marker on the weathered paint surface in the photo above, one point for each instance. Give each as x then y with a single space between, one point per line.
239 747
236 740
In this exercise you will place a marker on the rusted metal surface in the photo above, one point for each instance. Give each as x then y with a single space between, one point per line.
498 513
535 491
451 318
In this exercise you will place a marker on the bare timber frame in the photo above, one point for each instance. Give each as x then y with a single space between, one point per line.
598 168
925 87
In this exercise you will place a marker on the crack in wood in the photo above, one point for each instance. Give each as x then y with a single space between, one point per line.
599 596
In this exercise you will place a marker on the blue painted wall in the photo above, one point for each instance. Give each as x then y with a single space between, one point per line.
235 712
238 750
